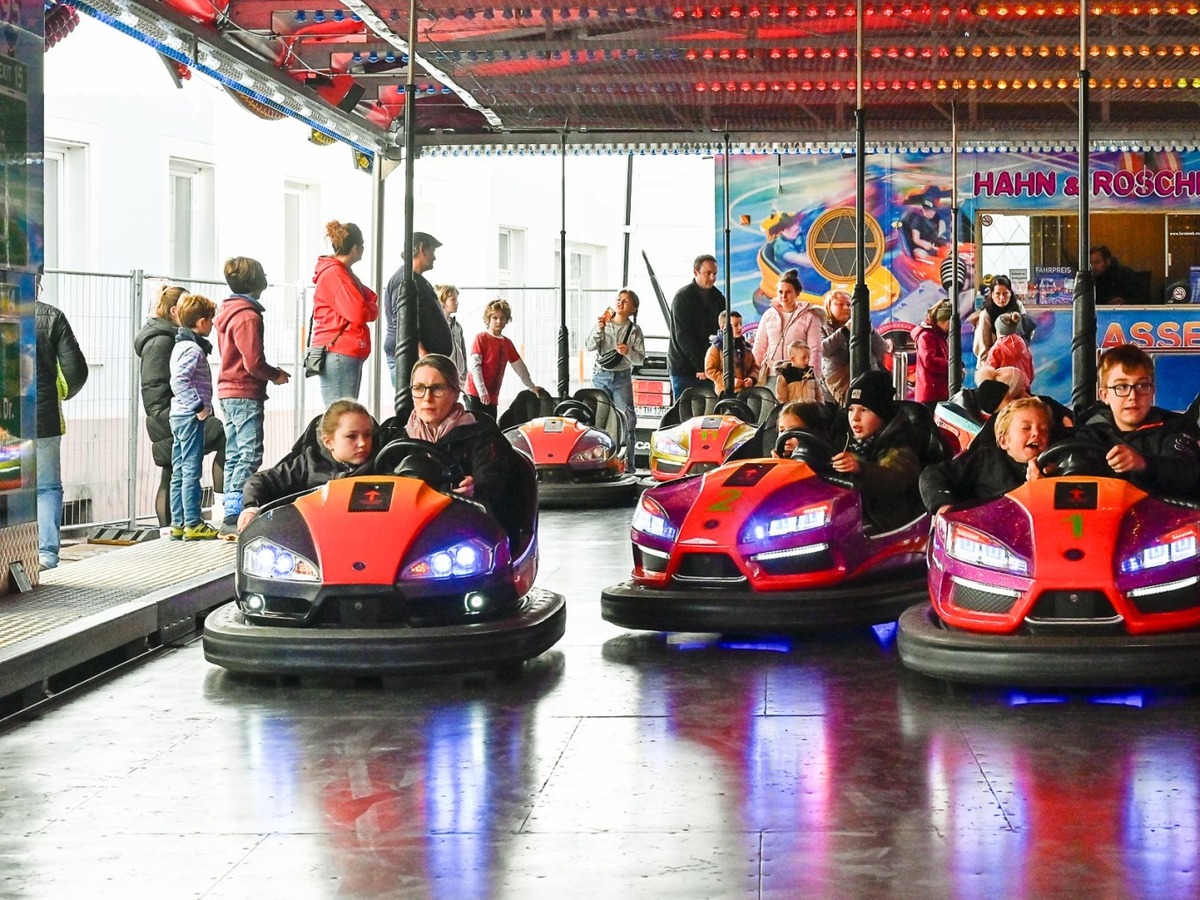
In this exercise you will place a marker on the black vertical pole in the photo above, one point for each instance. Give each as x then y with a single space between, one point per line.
628 218
564 379
955 369
406 307
1083 337
727 339
860 305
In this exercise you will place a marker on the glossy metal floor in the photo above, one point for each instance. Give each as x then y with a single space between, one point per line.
617 765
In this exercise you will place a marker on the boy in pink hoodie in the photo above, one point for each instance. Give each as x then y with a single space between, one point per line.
242 381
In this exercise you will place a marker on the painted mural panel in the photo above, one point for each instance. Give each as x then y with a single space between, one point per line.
799 212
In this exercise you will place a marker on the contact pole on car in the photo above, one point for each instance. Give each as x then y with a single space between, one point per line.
860 306
406 306
727 335
564 377
1083 335
957 269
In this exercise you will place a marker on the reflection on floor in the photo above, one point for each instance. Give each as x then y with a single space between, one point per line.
617 765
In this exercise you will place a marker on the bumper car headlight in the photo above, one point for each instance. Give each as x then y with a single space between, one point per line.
519 441
804 519
266 559
978 549
1176 546
593 447
667 445
649 518
737 437
459 560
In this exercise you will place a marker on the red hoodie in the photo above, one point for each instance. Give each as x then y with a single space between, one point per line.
244 369
342 300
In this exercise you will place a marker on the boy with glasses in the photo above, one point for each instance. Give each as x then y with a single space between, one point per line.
1153 448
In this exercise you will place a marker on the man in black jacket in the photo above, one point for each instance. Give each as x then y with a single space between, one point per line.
433 330
1115 283
694 312
58 354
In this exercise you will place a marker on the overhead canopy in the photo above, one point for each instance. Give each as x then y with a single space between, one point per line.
776 75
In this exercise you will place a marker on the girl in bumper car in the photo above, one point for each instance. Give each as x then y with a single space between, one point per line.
342 445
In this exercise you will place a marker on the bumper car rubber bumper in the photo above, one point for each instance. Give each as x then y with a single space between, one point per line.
928 646
850 604
234 644
579 495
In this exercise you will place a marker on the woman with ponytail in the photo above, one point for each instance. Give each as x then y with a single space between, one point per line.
343 307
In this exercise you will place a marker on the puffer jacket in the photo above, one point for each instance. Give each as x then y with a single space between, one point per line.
153 346
777 329
57 350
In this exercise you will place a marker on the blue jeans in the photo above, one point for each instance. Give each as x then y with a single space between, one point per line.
619 386
342 377
187 456
243 448
49 499
680 383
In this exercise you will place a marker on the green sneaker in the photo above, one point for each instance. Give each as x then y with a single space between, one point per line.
177 532
201 531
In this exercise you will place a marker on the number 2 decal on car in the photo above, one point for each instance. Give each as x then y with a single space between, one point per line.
725 500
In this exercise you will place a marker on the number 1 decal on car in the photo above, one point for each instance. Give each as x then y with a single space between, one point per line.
1076 523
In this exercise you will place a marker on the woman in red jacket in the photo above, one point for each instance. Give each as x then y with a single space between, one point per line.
342 309
933 355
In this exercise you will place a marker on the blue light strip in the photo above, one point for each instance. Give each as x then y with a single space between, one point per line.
180 57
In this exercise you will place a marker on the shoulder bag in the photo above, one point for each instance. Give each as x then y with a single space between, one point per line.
314 356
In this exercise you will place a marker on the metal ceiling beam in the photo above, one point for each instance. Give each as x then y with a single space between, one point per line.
206 51
374 22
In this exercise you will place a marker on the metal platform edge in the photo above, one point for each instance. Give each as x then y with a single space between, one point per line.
95 643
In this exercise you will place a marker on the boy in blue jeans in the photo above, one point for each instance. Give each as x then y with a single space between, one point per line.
242 382
191 385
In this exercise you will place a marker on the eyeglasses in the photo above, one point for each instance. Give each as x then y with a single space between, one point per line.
438 390
1142 388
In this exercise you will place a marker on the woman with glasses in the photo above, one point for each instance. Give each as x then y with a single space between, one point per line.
439 417
1153 448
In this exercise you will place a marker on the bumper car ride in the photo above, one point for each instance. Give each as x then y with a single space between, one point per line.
696 446
384 575
1080 580
577 464
764 545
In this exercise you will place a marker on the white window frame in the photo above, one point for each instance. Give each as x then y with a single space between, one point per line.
511 270
66 227
202 244
308 234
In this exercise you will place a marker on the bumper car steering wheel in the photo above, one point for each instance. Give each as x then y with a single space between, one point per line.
1075 458
732 406
577 410
411 458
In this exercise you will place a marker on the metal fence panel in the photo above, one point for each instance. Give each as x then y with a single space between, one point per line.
108 471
